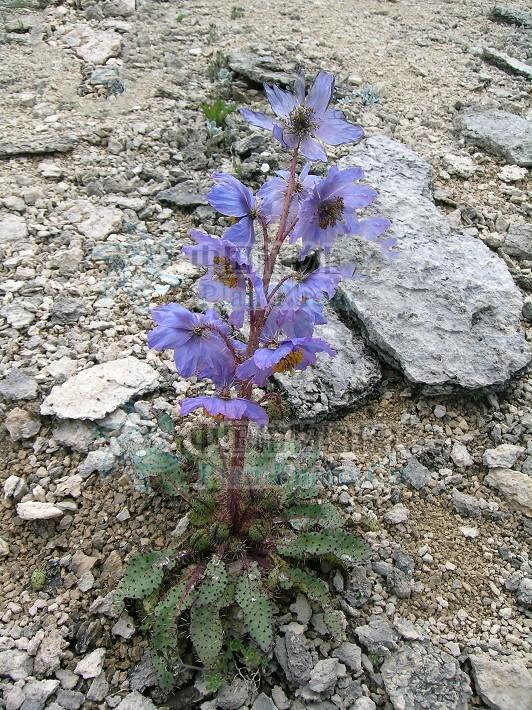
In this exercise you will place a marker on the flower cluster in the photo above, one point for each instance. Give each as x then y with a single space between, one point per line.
279 315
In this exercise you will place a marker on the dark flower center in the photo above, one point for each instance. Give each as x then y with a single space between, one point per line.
224 271
199 330
301 121
330 212
290 361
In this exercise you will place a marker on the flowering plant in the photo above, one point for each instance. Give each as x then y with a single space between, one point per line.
278 310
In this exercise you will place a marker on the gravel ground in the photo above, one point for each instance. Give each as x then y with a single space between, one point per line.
88 243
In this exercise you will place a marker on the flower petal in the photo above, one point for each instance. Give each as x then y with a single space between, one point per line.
373 227
335 130
230 197
313 150
163 338
299 86
281 101
257 118
321 92
241 234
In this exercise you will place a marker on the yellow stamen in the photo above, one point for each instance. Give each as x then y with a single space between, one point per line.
223 271
290 361
216 417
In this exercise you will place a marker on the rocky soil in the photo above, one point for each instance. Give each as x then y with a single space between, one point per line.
425 422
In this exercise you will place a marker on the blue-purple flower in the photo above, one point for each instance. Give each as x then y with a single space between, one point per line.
227 409
234 199
195 338
303 119
229 274
331 209
294 321
222 369
319 283
272 194
292 354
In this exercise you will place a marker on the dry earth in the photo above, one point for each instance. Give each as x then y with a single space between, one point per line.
144 131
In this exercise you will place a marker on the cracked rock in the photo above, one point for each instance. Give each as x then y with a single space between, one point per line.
443 327
502 683
420 676
98 390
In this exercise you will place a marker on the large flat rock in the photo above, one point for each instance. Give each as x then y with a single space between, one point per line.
424 677
98 390
445 311
502 683
501 133
334 386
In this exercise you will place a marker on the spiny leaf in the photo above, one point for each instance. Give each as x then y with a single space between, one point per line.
313 587
294 493
325 542
206 633
143 576
213 584
165 677
335 621
164 465
326 515
258 615
228 597
165 423
166 613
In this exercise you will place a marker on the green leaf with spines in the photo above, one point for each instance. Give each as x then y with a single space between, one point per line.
166 614
167 467
228 597
325 542
213 584
165 677
144 575
257 608
335 621
293 494
206 633
326 515
313 587
166 423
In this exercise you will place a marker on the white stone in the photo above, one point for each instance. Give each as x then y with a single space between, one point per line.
101 460
48 658
34 510
461 456
15 487
95 221
21 424
74 434
15 664
397 515
512 173
17 315
502 683
12 228
503 456
93 393
136 701
514 486
69 486
92 665
324 675
93 46
124 627
469 532
461 165
444 327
